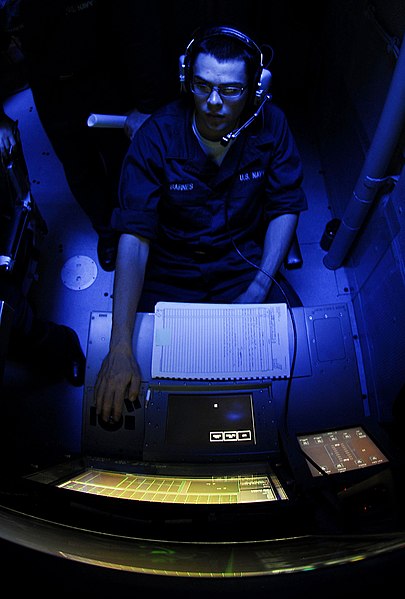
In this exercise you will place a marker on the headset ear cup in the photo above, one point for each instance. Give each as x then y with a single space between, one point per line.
263 86
182 72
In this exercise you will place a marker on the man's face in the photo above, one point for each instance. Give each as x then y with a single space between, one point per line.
218 113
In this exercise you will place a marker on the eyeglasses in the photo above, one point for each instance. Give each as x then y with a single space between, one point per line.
230 92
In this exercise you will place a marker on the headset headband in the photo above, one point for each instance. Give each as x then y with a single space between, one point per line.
226 31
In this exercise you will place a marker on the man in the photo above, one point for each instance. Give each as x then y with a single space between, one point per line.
203 217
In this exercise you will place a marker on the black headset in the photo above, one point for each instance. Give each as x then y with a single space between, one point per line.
262 76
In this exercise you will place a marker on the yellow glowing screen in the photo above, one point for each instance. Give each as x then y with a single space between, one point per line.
173 489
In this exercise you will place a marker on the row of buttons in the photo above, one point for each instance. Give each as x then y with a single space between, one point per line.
216 436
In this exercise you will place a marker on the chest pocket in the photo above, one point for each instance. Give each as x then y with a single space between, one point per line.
245 200
185 207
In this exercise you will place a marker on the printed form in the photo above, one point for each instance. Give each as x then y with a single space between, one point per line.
220 341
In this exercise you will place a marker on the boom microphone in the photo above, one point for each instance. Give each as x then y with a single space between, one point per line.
234 134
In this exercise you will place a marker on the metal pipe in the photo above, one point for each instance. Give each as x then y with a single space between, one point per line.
385 139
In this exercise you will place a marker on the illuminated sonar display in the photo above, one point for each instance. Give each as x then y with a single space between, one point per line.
176 489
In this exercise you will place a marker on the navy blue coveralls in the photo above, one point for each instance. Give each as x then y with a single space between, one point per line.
194 212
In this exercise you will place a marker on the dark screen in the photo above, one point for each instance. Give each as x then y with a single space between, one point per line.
201 421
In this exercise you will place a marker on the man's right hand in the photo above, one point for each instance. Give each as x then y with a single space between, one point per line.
9 136
118 379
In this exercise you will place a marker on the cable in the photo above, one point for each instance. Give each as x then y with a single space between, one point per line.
224 141
293 322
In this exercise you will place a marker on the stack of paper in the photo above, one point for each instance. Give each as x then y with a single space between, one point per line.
220 341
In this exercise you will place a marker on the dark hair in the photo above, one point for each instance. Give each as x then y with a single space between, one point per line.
224 48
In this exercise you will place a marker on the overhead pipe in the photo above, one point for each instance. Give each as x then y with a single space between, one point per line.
383 145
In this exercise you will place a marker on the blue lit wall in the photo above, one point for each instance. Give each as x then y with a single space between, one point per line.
354 81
